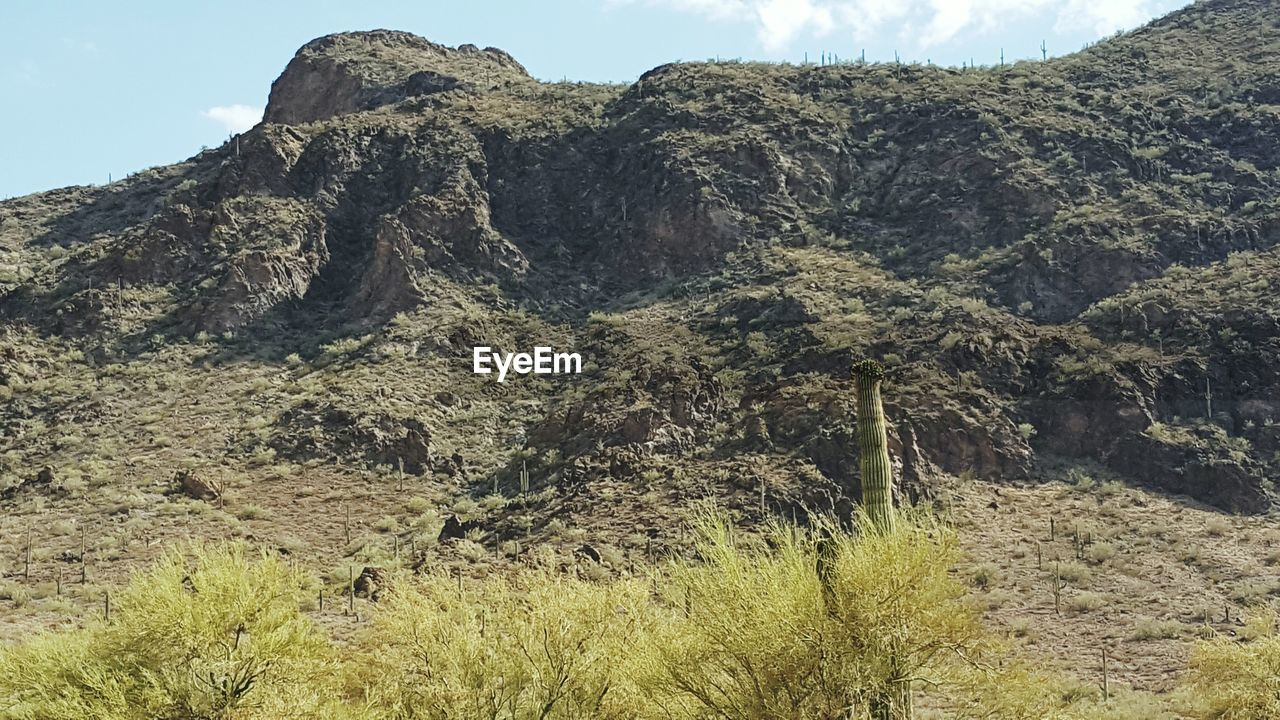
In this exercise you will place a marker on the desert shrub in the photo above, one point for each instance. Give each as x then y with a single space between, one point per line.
799 624
1086 602
1017 692
1217 526
1152 629
984 575
218 634
755 633
1074 573
748 630
1108 488
252 511
1260 623
534 646
1022 627
1233 680
1082 481
418 505
1100 552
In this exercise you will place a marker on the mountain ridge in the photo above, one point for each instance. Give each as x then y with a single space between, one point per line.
725 159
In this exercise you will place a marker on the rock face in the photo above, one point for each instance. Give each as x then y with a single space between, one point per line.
449 229
285 254
454 528
322 430
349 72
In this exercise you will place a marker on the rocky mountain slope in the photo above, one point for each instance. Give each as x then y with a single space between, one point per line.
1069 267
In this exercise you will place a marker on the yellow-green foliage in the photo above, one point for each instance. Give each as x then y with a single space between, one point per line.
1239 681
538 645
750 631
761 639
205 638
1016 692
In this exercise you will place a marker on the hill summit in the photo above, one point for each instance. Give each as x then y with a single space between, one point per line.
350 72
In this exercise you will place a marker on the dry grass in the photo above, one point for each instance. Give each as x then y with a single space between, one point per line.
1168 567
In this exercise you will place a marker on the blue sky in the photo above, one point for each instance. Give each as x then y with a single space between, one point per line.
93 91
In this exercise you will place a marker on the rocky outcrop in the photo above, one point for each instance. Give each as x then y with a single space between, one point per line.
666 408
390 283
959 440
41 481
261 162
349 72
370 583
1088 417
455 528
447 231
317 429
281 250
1198 464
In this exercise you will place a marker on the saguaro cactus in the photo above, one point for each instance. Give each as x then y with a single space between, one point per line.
873 445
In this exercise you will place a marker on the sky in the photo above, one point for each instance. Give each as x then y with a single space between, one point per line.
95 92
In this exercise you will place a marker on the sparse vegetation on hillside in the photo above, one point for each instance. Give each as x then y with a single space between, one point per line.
1066 268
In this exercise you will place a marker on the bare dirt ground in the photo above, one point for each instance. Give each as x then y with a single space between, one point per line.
1154 573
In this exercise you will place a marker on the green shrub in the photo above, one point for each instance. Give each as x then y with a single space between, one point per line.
790 626
984 575
200 639
1086 602
758 634
1074 573
533 646
1217 526
1151 629
1230 679
1100 552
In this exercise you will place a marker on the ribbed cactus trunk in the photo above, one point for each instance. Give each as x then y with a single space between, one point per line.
894 703
873 445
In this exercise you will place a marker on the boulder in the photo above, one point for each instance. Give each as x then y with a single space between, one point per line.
370 583
455 528
194 486
586 550
42 479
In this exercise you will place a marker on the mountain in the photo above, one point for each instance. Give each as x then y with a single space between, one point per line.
1069 268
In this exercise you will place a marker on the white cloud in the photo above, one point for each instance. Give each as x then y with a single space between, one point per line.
235 118
867 17
779 21
926 23
949 18
1103 18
